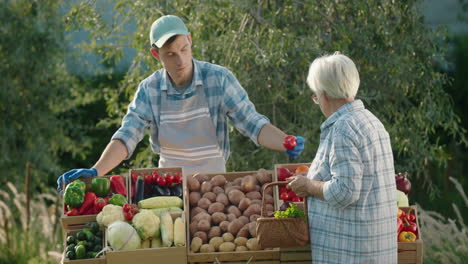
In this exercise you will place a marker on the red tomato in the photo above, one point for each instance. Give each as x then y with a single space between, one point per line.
291 194
161 181
296 199
283 174
155 175
283 189
148 179
177 178
284 196
169 179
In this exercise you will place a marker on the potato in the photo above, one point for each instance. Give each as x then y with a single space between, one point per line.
218 180
210 196
231 217
263 176
267 191
240 241
235 226
244 203
235 196
201 216
234 210
205 187
207 248
237 181
269 208
245 220
269 199
228 237
218 217
248 183
224 226
202 235
194 197
253 209
216 242
227 247
253 218
217 190
222 198
196 211
193 228
257 201
254 195
201 177
258 188
216 207
252 229
241 248
204 203
193 184
215 231
228 189
252 244
196 244
244 232
203 225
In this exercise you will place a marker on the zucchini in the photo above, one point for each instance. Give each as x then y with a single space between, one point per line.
161 202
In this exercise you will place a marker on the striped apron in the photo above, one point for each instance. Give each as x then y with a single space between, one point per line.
187 136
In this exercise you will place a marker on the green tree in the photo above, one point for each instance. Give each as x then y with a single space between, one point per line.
269 46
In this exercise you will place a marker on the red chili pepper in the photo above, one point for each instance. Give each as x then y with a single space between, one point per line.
132 191
88 203
99 203
118 185
73 212
289 142
399 225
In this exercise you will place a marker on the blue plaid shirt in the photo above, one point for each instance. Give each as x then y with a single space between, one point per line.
226 98
356 223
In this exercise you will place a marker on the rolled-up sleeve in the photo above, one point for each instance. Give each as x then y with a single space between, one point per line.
240 110
135 122
346 172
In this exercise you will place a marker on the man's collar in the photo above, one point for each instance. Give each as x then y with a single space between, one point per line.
166 84
344 109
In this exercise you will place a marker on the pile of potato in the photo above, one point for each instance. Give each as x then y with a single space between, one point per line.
223 213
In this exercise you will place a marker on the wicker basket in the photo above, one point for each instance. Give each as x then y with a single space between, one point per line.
281 232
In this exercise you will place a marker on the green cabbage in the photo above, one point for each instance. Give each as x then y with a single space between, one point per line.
122 236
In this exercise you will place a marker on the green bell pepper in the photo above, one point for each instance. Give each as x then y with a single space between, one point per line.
73 196
80 184
118 199
100 186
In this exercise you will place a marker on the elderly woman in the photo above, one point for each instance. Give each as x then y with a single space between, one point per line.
350 186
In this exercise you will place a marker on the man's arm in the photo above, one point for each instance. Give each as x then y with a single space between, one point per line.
113 154
271 137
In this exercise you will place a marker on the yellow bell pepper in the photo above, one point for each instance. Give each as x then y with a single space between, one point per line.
407 237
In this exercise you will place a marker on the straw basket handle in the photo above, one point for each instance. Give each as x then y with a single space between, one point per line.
271 184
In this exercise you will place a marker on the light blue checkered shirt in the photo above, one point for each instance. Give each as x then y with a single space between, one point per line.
225 97
356 223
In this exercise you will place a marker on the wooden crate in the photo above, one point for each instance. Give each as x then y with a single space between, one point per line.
291 167
173 255
69 221
72 231
411 252
149 170
270 256
296 255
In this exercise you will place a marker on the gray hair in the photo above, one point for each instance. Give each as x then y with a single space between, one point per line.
335 74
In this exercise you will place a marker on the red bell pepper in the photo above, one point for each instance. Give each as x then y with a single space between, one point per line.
73 212
118 185
99 203
410 226
289 142
399 225
88 202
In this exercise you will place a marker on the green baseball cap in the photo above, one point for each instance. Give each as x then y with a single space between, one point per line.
164 28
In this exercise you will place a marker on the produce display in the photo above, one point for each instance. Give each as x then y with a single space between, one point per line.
85 243
282 174
151 183
223 212
80 199
407 227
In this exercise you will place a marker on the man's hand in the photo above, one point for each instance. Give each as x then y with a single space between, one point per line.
300 185
75 174
297 149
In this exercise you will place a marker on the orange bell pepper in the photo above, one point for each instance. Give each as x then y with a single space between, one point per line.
399 213
407 237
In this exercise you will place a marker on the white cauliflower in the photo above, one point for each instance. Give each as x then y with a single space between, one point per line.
146 224
109 214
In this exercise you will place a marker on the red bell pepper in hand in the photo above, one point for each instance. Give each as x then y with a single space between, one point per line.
289 142
118 185
99 203
88 203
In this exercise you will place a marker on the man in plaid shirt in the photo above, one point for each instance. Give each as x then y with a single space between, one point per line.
186 105
350 186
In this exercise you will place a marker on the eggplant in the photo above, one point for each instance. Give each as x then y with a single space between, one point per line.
157 190
177 191
139 190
